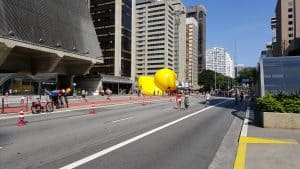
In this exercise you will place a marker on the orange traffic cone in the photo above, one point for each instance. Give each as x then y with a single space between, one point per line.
21 121
92 109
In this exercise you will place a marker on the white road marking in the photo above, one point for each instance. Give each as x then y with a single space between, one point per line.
121 119
124 143
82 108
246 122
1 147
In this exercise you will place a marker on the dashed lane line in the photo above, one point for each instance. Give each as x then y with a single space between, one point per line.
115 121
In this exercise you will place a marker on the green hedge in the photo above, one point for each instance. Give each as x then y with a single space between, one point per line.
283 103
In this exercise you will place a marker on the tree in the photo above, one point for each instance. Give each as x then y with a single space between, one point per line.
207 79
248 73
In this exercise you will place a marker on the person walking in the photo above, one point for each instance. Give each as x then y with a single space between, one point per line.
207 99
186 100
109 93
83 95
178 99
236 96
242 97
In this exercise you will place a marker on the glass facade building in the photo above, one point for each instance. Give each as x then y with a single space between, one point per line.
280 74
113 24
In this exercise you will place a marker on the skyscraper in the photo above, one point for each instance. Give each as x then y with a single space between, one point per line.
199 13
192 52
160 27
114 22
218 60
287 27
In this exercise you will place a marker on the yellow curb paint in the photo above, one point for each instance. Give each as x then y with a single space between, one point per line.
253 140
240 160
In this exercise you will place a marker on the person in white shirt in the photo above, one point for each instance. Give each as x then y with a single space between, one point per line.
207 99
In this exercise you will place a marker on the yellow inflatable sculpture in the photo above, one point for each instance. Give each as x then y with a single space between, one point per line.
163 80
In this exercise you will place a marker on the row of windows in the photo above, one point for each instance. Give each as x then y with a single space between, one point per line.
155 40
155 35
156 30
156 20
158 10
156 25
156 44
156 54
156 6
157 49
158 15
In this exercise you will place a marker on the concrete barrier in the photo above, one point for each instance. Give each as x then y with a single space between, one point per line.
281 120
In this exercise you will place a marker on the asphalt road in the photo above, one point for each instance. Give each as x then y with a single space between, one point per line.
181 139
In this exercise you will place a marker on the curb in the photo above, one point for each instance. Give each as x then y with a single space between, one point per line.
225 155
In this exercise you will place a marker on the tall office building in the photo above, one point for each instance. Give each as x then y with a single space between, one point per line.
287 27
199 13
160 27
192 52
218 60
114 22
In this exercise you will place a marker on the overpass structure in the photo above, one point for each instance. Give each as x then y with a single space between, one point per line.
56 36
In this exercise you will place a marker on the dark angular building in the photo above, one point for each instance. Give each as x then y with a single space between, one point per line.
40 36
199 13
113 24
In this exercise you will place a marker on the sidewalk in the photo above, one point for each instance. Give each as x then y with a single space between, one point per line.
267 148
96 101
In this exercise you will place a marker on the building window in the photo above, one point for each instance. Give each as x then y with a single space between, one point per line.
290 22
290 28
291 35
290 16
290 9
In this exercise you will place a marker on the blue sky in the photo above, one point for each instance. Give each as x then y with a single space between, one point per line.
246 22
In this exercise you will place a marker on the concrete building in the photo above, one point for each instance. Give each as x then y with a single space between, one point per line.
199 13
192 52
218 60
160 27
286 24
45 40
114 22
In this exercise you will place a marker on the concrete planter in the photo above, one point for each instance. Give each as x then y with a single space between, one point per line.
281 120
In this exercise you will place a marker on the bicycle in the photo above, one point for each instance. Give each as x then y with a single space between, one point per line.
40 107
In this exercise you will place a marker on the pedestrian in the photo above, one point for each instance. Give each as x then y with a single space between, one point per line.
109 93
242 97
186 100
236 96
83 95
178 99
207 99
